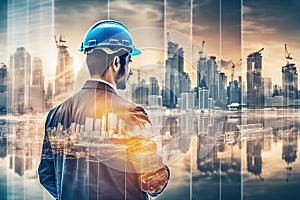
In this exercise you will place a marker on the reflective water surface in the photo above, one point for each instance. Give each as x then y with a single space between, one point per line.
249 154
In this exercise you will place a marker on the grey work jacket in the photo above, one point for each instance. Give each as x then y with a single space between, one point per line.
71 171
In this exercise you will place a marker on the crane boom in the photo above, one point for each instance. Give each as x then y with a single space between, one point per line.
168 37
260 50
232 72
287 54
201 52
233 67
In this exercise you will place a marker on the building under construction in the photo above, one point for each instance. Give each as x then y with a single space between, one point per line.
255 90
289 80
64 77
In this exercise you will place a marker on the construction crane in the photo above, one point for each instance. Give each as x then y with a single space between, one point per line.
232 71
139 74
201 52
60 42
168 37
260 50
233 67
287 54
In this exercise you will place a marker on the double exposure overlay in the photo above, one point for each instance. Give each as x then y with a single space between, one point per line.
210 111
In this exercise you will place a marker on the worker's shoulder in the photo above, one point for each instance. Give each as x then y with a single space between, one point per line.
126 103
121 101
62 105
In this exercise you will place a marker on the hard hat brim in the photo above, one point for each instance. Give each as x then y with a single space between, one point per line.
135 52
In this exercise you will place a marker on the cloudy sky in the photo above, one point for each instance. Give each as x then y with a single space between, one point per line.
231 30
270 26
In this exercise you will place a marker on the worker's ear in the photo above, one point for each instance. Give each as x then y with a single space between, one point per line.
116 63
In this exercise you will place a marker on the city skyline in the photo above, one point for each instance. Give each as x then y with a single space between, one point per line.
222 25
175 92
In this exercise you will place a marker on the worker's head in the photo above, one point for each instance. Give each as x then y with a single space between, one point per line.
109 48
111 67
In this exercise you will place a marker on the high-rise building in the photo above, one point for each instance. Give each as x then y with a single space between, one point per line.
29 29
64 78
37 100
209 77
212 79
20 63
201 71
267 85
203 98
3 88
234 92
49 96
154 88
244 91
255 91
221 90
140 95
171 74
290 81
177 81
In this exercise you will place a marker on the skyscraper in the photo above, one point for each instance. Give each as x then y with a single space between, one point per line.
177 81
255 91
290 82
49 96
267 85
221 90
211 78
64 78
234 92
201 71
29 29
140 94
37 100
20 63
203 98
154 88
3 88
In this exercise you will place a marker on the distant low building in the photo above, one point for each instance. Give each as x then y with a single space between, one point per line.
187 101
203 99
276 101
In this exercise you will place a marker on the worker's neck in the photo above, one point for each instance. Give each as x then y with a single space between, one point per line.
105 78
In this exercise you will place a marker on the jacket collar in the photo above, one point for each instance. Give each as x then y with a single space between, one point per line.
95 84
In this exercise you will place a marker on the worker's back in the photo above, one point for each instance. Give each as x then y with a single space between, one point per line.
83 169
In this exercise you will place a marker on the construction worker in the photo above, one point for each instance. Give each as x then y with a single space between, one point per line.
98 145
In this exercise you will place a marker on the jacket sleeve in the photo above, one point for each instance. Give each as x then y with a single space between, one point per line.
157 193
154 175
46 168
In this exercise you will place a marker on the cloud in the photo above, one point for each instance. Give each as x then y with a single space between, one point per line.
253 27
137 14
271 25
281 15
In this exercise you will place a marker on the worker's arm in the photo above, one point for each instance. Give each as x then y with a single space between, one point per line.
46 170
142 152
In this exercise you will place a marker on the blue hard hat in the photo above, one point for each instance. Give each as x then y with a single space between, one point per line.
108 33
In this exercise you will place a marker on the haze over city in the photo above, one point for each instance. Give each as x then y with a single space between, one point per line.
231 30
